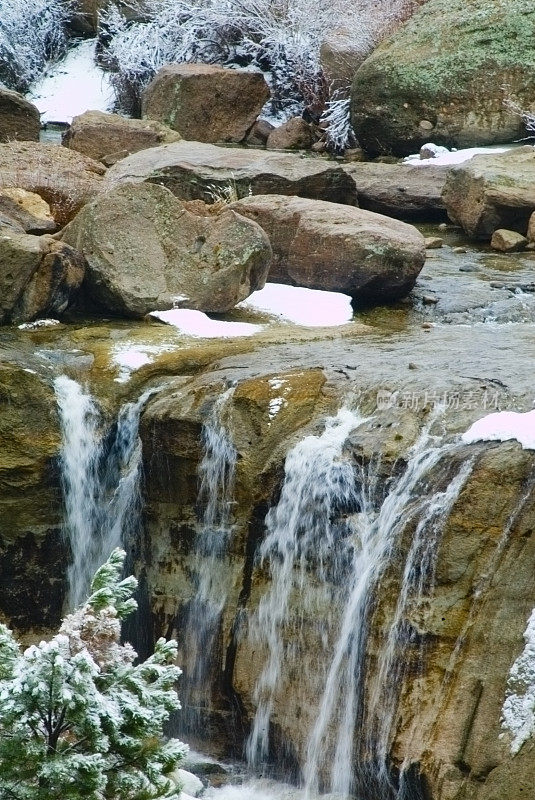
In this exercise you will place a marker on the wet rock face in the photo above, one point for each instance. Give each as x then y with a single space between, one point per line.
321 245
19 119
205 103
32 551
466 628
146 252
441 78
194 171
491 192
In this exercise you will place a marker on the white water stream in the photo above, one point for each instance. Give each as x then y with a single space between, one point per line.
100 480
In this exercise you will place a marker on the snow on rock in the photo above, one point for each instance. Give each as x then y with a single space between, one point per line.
38 323
190 783
197 323
503 426
518 711
73 85
307 307
281 386
130 358
443 156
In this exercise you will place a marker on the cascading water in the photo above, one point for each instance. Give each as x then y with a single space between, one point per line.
317 482
216 496
336 526
100 480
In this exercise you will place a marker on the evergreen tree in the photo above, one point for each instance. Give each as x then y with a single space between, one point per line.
78 719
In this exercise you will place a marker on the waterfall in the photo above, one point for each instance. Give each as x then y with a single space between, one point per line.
215 498
335 529
100 478
318 482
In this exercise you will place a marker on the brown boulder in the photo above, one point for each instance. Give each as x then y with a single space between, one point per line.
296 134
62 177
507 241
192 170
337 248
96 134
205 103
341 54
146 252
19 119
492 191
38 276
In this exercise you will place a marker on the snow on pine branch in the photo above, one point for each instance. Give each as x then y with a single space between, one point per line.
31 34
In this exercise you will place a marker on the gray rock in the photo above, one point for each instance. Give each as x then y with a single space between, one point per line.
19 119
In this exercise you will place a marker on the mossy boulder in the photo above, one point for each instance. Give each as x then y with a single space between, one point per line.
444 77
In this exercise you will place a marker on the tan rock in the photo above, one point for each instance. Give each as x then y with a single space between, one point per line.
531 228
38 276
492 191
341 54
259 133
433 242
97 135
192 170
27 210
146 252
63 178
322 245
206 103
507 241
296 134
19 119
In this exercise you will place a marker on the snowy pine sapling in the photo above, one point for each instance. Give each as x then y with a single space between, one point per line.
78 720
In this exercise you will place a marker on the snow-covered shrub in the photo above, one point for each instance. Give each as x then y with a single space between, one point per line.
31 33
281 38
78 719
339 134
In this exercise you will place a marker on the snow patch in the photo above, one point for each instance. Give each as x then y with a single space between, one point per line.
130 358
307 307
73 85
503 426
198 324
38 323
518 711
276 403
452 156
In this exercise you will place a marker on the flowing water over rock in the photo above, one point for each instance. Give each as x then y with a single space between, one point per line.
216 490
100 477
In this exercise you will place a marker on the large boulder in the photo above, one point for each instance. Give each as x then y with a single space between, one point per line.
400 190
146 252
325 246
65 179
342 52
38 276
206 103
96 134
19 119
492 191
445 75
194 171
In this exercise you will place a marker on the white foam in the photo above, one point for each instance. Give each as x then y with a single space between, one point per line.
503 426
307 307
518 712
73 85
198 324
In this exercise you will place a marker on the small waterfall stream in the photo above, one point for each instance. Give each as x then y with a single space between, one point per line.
337 525
100 477
215 498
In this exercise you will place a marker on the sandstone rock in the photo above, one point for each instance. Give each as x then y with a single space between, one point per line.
433 242
507 241
26 210
64 179
38 276
492 191
96 134
259 133
442 75
296 134
321 245
400 190
146 252
341 54
531 228
19 119
192 170
32 547
206 103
